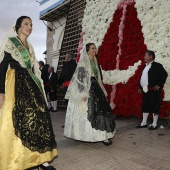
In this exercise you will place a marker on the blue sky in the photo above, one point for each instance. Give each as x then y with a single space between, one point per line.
11 10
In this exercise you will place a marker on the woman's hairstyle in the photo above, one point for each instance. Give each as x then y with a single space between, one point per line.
19 22
151 53
88 46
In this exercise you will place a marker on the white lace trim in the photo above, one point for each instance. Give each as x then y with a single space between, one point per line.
10 48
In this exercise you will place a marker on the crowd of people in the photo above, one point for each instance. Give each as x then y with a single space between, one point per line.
51 81
28 93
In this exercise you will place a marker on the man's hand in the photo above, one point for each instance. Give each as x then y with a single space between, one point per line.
2 98
61 87
140 91
156 88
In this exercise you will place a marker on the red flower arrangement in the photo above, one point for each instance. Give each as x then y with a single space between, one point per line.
127 99
108 51
126 48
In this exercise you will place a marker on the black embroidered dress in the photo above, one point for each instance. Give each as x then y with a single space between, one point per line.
25 123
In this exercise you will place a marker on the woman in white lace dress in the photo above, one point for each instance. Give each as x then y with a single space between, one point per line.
89 116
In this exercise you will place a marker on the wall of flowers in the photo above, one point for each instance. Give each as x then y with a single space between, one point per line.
122 31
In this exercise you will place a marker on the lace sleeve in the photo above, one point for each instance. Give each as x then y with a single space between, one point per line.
3 69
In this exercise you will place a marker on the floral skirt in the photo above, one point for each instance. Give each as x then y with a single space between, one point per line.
17 152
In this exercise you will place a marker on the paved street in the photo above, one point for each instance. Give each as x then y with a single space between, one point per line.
132 149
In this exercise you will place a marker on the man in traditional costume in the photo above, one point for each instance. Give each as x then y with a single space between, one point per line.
67 71
152 81
53 89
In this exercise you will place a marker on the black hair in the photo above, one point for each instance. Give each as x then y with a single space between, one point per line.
41 63
151 53
88 46
19 22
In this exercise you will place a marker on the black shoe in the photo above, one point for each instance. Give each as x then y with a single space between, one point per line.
47 167
139 126
152 128
109 142
53 110
33 168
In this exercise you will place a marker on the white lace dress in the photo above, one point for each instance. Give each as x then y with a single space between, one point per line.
91 120
78 127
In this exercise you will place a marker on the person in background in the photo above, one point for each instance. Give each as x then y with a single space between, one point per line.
67 72
151 83
27 137
53 88
44 75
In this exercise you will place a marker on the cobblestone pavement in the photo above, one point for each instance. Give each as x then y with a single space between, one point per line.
132 149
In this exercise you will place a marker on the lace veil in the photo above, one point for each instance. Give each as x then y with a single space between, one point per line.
11 33
81 81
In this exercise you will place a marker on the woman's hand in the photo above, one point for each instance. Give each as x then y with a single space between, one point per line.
2 98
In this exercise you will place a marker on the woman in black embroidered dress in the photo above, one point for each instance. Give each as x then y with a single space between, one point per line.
89 116
27 137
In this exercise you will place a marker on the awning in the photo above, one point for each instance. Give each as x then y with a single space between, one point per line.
56 11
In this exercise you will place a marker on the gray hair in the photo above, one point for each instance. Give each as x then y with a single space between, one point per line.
70 55
52 68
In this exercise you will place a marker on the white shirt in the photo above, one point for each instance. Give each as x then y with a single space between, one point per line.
50 75
144 77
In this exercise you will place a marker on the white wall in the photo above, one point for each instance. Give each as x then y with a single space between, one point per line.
54 41
59 32
55 37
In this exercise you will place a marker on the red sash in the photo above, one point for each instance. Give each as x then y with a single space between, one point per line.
65 84
152 88
46 84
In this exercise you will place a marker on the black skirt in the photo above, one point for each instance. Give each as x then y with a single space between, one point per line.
151 101
99 111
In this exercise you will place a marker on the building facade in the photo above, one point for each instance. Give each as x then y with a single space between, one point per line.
63 20
54 14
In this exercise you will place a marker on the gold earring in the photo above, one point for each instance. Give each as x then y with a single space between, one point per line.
19 31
